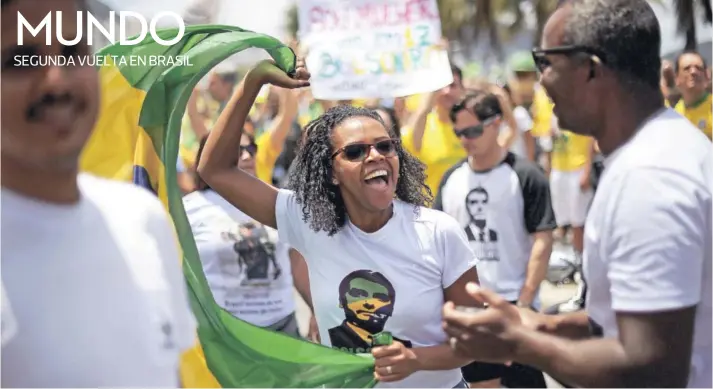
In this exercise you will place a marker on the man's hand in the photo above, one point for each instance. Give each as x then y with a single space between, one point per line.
266 72
486 336
535 321
394 362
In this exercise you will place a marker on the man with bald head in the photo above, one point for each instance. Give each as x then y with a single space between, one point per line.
647 244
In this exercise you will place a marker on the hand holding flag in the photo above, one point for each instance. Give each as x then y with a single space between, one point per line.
267 72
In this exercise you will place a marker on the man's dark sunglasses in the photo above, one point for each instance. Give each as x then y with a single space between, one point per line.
358 151
475 131
250 148
540 55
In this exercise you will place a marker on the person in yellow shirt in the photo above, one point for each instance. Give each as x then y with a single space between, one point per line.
541 112
570 180
271 142
692 81
202 111
429 135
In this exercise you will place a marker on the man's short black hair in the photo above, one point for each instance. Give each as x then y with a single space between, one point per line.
488 106
483 105
677 65
626 32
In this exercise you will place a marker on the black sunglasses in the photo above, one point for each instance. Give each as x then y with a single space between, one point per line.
250 148
540 55
475 131
358 151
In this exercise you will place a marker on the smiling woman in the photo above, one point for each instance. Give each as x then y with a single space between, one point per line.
331 172
378 260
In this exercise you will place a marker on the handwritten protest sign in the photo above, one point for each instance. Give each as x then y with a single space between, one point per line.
373 48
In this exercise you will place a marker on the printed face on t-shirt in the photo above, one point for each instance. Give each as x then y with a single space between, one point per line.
367 298
475 202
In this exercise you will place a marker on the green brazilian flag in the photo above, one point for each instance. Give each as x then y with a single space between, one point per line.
136 139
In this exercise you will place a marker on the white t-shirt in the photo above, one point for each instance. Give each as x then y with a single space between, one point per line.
95 289
499 210
648 233
247 267
390 280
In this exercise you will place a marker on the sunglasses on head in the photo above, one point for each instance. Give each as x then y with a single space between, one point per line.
542 63
475 131
250 148
359 151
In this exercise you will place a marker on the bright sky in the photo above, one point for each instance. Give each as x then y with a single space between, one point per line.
263 16
268 16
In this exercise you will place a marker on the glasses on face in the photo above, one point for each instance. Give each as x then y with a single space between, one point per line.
475 131
542 62
250 148
358 151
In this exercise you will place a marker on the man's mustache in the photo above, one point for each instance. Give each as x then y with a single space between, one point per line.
34 112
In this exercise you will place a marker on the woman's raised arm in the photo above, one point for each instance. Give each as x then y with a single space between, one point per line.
222 150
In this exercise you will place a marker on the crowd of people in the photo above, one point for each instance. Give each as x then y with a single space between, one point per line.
450 200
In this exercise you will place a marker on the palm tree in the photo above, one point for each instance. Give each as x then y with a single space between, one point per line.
686 19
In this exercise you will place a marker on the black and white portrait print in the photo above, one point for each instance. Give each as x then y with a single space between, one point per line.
483 236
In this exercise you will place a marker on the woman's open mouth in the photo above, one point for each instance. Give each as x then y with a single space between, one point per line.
378 179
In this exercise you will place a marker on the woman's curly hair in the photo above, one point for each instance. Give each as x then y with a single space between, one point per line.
311 176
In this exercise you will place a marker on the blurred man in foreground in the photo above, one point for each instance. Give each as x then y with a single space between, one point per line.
92 285
647 259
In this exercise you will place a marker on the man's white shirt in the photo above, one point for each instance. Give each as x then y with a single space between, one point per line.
95 290
648 232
